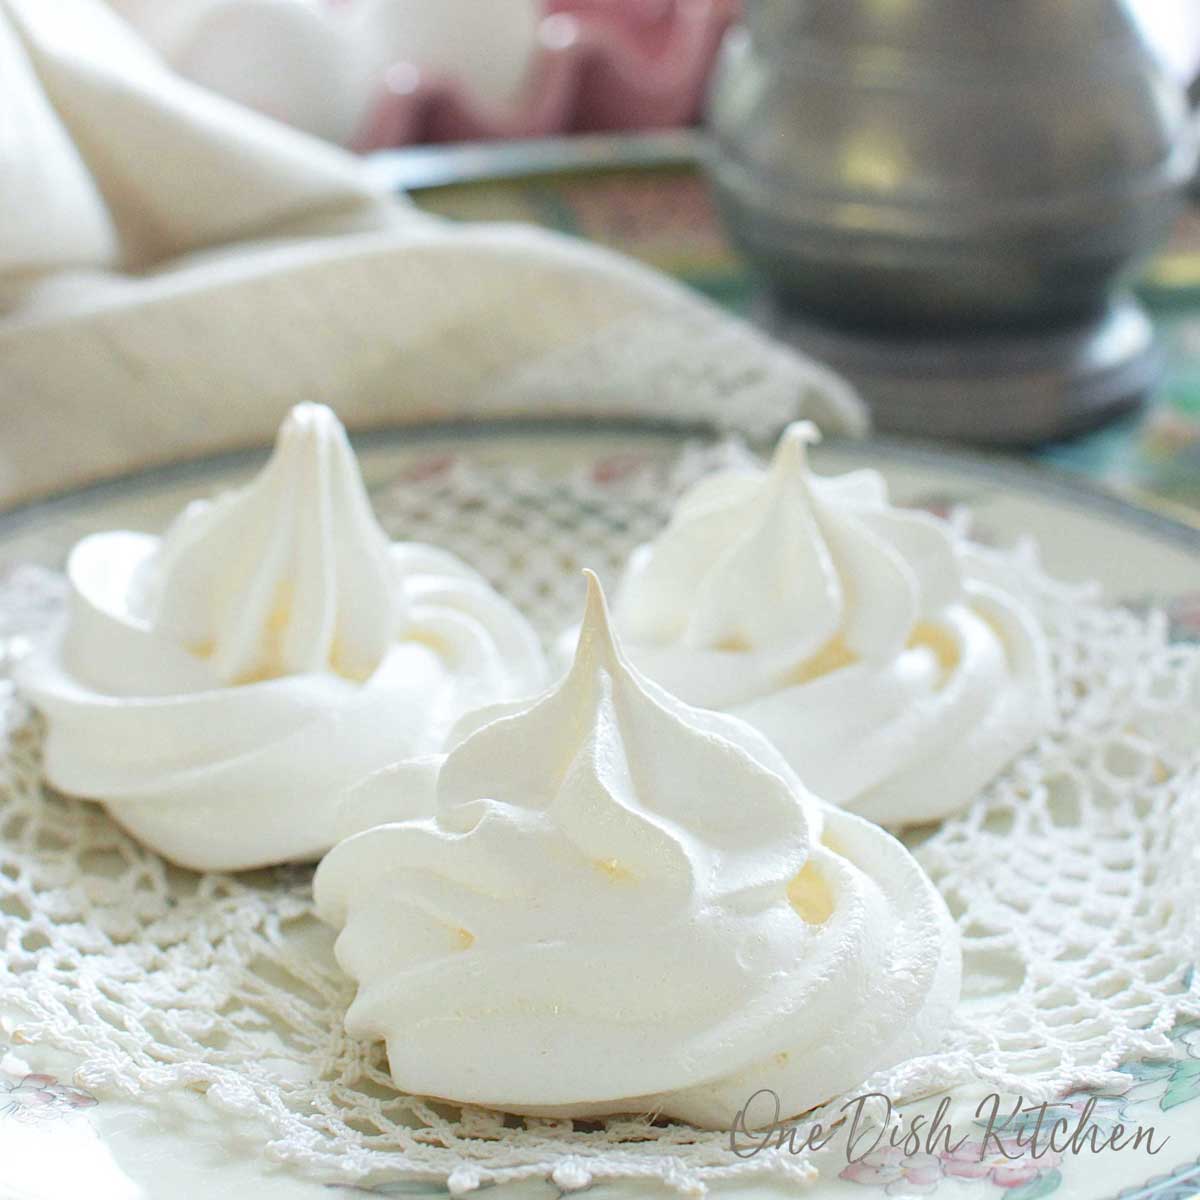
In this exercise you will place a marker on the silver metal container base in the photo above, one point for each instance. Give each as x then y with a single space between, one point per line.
995 389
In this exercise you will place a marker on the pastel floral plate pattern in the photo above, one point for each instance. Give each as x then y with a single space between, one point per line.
1155 1086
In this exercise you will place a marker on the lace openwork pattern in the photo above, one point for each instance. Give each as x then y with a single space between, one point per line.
1075 880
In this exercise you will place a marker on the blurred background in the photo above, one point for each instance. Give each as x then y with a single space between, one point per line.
978 213
984 215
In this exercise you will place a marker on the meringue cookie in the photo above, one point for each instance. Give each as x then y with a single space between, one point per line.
894 680
624 904
219 687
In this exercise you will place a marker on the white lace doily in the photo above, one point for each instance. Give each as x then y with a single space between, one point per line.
1075 880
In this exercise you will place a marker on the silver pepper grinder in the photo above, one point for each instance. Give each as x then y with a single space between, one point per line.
944 199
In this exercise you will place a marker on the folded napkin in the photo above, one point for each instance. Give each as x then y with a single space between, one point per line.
176 271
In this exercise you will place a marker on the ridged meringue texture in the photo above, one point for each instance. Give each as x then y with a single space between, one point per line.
219 687
615 903
851 633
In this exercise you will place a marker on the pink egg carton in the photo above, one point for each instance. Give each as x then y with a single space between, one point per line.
599 65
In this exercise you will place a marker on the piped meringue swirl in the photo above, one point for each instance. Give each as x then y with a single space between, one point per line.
292 575
219 687
854 634
604 900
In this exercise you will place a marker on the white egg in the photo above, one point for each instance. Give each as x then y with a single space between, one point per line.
489 45
290 59
165 24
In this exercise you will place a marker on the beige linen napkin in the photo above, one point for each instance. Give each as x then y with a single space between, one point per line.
175 271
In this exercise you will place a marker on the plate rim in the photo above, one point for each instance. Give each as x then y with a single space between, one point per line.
1155 516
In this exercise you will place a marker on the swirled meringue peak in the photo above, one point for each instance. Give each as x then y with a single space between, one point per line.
219 687
619 903
855 635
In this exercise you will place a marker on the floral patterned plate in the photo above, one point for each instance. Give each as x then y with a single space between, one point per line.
59 1142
